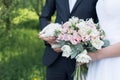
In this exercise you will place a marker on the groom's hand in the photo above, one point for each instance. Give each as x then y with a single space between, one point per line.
50 40
58 49
79 63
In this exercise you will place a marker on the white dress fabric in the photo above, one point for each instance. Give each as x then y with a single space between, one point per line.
108 12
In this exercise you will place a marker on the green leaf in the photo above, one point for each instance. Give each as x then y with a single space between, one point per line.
79 47
106 43
76 49
74 54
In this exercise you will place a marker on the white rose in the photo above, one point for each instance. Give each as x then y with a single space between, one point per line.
67 51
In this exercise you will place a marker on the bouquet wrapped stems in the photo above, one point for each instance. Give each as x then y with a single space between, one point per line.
80 72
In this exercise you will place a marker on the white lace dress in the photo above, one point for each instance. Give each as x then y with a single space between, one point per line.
109 18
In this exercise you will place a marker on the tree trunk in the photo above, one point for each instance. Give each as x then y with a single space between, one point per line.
7 20
8 24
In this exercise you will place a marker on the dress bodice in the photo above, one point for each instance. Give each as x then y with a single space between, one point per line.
109 16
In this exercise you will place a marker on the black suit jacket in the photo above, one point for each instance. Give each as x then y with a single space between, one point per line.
83 9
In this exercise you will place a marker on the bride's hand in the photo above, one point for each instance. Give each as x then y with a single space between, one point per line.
94 56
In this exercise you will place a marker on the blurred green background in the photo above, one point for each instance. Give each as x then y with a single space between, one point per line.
20 48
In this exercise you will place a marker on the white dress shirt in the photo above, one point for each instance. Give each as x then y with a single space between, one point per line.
71 4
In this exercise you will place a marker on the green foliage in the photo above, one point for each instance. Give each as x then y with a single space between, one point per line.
20 55
26 18
37 5
6 9
9 10
20 49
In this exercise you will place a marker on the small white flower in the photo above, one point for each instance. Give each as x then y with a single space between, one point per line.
83 57
94 32
67 51
74 20
97 43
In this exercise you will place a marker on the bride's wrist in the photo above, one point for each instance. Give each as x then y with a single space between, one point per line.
95 56
98 55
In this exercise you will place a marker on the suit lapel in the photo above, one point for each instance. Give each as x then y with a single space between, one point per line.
76 5
67 10
67 7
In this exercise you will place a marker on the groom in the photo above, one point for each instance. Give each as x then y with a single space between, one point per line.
58 67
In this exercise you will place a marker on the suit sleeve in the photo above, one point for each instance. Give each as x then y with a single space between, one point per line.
47 13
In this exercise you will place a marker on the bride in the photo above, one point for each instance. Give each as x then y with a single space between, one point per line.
106 62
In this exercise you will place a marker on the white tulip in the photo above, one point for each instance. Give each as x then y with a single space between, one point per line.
97 43
83 57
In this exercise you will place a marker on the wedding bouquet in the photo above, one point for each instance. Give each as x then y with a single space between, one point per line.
77 37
